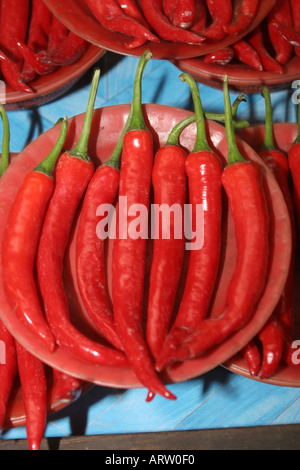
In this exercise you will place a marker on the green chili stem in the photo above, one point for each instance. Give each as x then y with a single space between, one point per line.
137 120
47 165
201 143
5 141
297 140
269 139
176 131
114 161
234 155
81 149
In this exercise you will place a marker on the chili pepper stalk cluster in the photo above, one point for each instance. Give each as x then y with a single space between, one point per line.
146 331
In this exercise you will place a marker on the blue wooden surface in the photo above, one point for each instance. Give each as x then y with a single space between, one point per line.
219 399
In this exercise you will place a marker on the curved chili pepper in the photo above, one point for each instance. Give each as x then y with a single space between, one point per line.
90 246
170 190
34 390
14 16
111 16
252 355
129 253
281 14
221 14
65 388
201 17
32 59
38 33
8 370
57 35
181 13
204 170
295 6
289 35
273 340
131 9
222 56
153 11
277 162
242 181
243 15
69 52
21 234
72 175
256 40
245 53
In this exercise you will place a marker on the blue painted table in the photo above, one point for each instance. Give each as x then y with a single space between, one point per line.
219 399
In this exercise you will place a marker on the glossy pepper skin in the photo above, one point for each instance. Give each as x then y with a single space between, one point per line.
221 14
90 245
203 169
170 188
129 252
256 40
73 172
244 13
280 14
243 185
153 11
33 380
8 371
13 25
111 16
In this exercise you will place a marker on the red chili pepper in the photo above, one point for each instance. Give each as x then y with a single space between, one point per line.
221 14
34 390
57 35
38 33
90 246
69 52
252 355
129 253
294 165
153 11
256 40
204 170
21 233
8 370
278 163
170 190
289 35
32 59
222 56
243 15
273 339
131 8
72 175
14 16
65 388
245 53
201 17
296 20
242 181
111 16
181 13
281 14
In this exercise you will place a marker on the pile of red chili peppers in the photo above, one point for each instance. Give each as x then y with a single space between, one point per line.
39 227
269 47
33 43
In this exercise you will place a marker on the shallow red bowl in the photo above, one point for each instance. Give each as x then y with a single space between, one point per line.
161 119
240 77
284 135
49 87
77 16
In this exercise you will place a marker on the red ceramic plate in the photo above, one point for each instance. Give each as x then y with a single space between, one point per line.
76 15
49 87
240 77
161 119
284 135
